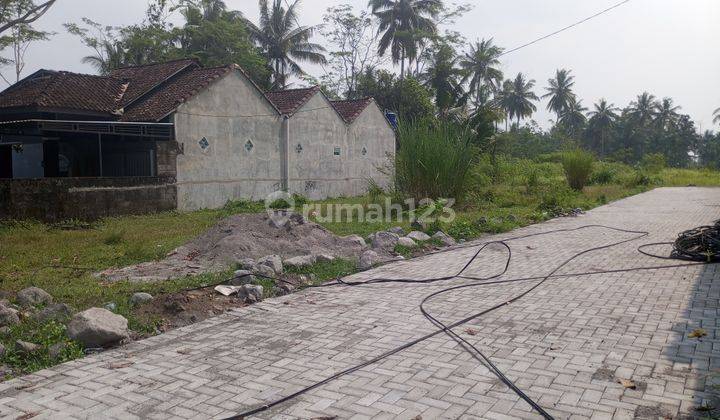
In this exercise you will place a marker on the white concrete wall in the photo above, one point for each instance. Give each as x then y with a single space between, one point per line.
231 112
316 172
228 114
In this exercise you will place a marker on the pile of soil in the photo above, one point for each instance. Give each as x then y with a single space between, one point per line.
235 238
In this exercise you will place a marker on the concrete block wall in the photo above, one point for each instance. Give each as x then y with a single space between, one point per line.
227 115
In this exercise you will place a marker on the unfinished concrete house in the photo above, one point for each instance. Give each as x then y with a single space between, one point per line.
177 136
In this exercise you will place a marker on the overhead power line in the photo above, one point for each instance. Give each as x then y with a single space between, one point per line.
566 28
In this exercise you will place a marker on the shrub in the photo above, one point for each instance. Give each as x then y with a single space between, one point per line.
113 238
578 165
653 163
602 176
433 160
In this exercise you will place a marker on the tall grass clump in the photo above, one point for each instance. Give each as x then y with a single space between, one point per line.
433 160
578 165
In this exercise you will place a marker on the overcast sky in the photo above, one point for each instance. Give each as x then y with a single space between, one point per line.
667 47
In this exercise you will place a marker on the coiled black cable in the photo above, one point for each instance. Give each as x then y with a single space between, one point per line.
477 282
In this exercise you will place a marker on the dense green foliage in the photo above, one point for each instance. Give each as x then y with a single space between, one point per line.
433 160
578 165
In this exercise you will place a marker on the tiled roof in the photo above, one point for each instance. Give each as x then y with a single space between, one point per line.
165 99
351 109
144 78
289 101
65 90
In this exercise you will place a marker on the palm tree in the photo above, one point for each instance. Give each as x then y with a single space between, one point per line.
284 41
602 120
444 78
573 118
481 63
560 92
109 55
716 113
517 97
666 113
401 21
642 109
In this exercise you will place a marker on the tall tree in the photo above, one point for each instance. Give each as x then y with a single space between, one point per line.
18 38
353 37
284 41
108 51
666 113
573 119
444 77
602 120
642 109
716 115
560 92
517 98
482 63
401 21
29 12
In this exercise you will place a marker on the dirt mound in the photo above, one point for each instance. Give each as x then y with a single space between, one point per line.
235 238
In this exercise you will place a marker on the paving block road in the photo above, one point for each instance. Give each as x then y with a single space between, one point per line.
567 344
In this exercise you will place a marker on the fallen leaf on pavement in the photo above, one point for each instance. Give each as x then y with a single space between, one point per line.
627 383
697 333
470 331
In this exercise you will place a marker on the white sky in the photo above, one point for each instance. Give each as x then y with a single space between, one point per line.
667 47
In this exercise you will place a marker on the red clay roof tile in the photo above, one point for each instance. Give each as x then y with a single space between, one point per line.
351 109
290 100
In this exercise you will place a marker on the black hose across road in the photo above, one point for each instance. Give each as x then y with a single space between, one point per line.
480 282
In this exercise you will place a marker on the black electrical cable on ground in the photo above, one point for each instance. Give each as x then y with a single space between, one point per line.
480 282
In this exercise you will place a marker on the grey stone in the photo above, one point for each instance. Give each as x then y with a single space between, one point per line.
325 258
283 289
8 316
272 261
265 272
397 230
55 312
416 235
250 293
26 347
247 264
368 260
97 327
2 350
357 240
111 306
139 298
33 296
241 277
419 225
445 239
384 240
4 330
406 242
300 261
55 351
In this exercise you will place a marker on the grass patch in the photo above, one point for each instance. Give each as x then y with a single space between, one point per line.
324 271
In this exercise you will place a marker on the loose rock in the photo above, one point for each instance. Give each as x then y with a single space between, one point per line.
384 240
265 271
4 330
97 327
325 258
300 261
272 261
250 293
356 239
416 235
248 264
284 289
55 312
397 230
419 225
2 350
445 239
8 316
26 347
368 260
33 296
55 351
110 306
140 298
406 242
242 277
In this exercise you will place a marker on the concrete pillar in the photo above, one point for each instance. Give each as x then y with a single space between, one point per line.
285 153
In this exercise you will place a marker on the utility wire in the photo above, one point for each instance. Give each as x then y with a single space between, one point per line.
565 28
